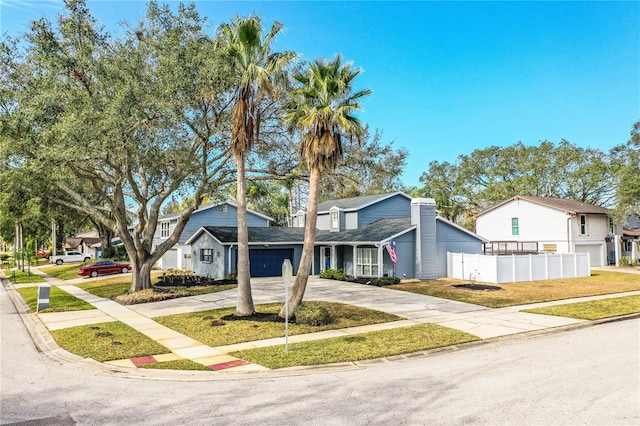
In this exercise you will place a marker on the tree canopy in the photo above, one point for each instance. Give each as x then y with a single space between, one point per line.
490 175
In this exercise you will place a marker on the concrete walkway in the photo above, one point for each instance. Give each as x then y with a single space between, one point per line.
478 320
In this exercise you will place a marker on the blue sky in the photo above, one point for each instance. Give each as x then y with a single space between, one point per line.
450 77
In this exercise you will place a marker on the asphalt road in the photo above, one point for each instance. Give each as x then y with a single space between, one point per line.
584 376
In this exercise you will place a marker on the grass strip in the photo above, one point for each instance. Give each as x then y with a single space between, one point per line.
22 277
179 364
59 300
107 342
594 310
208 328
375 344
600 282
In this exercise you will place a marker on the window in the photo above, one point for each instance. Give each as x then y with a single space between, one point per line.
612 229
335 220
515 228
164 230
627 245
206 255
367 265
301 218
583 224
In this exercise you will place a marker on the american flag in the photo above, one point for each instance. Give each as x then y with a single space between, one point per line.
391 249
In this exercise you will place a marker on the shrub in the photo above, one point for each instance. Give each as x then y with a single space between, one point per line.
627 261
384 281
333 274
231 275
115 253
314 315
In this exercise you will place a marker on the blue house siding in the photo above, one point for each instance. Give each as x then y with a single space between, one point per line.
218 216
394 207
215 268
405 254
449 238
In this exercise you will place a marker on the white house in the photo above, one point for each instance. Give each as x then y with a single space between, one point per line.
556 225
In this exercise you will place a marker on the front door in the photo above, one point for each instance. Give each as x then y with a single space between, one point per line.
325 258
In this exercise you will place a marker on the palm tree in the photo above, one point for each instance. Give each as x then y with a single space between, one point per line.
258 70
321 109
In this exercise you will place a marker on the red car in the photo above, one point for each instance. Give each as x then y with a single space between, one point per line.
104 267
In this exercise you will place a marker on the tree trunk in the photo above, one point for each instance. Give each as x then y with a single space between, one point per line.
141 275
245 300
304 269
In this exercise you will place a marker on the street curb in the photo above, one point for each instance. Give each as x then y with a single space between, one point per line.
46 344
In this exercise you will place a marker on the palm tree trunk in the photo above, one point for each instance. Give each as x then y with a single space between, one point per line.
245 300
300 284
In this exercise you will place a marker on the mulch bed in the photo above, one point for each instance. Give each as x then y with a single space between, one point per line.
257 316
478 287
190 281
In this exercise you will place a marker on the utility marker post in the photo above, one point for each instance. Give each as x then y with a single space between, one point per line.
287 273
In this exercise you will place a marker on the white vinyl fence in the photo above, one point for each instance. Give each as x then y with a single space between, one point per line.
517 268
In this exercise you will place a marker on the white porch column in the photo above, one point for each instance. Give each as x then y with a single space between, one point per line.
355 260
634 252
616 245
380 260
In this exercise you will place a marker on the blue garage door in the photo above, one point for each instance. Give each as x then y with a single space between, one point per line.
268 262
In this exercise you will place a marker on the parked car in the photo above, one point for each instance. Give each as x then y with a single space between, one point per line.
104 267
69 257
42 253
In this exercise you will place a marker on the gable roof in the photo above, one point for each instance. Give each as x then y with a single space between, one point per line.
377 231
357 203
210 206
461 229
567 206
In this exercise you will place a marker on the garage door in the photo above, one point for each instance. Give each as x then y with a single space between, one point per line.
268 262
170 259
595 253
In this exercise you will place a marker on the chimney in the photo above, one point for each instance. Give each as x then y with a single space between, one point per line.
423 215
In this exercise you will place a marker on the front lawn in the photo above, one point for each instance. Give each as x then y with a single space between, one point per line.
59 300
107 342
25 277
594 310
600 282
375 344
66 271
208 327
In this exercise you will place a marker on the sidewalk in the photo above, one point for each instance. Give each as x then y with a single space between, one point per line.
478 320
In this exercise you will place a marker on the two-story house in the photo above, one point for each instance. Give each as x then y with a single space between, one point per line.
556 225
222 214
353 235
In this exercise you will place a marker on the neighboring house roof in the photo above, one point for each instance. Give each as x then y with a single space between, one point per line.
568 206
635 232
210 206
357 203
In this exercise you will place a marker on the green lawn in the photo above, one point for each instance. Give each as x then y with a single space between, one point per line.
22 277
600 282
65 271
207 327
375 344
107 342
594 310
59 300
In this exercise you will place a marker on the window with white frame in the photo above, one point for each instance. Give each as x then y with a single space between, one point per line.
515 227
206 255
335 220
367 262
583 224
164 230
